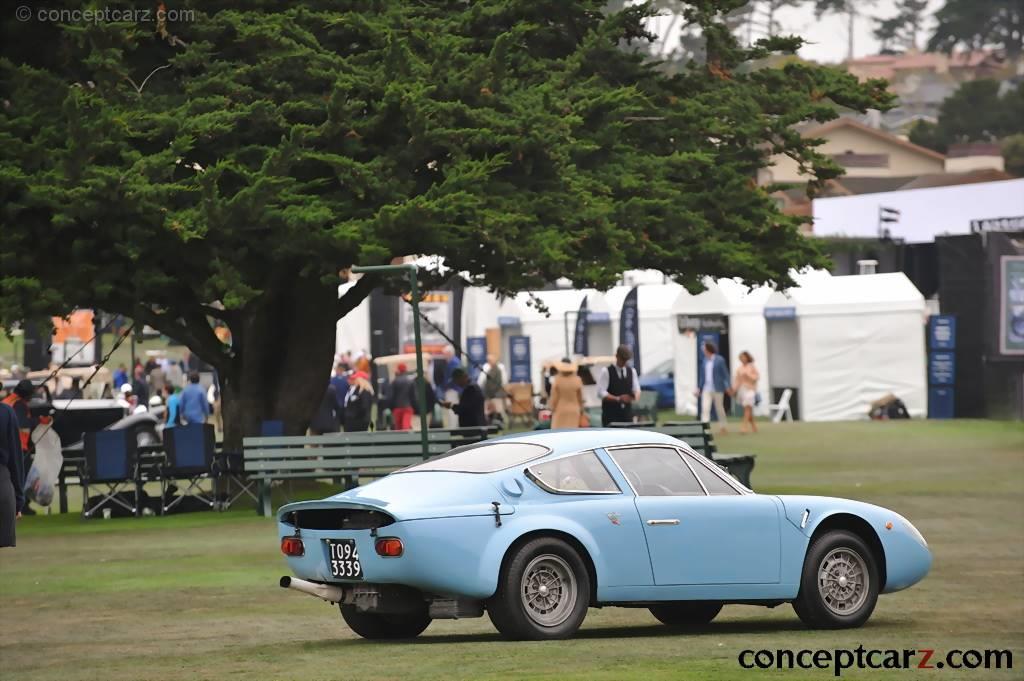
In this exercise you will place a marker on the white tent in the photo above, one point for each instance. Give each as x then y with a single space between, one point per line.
655 304
552 331
734 308
847 341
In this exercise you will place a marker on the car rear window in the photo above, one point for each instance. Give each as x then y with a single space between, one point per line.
482 458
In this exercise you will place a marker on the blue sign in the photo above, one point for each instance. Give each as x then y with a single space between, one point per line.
942 332
519 359
941 368
476 348
940 402
780 313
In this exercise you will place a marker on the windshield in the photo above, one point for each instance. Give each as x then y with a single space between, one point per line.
482 458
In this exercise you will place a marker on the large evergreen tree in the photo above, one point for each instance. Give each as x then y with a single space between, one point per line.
976 112
227 168
974 24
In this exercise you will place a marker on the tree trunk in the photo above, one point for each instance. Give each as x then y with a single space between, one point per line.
283 363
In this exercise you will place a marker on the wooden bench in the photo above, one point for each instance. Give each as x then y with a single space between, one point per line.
344 456
698 435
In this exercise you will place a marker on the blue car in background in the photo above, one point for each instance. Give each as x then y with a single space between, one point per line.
535 528
662 379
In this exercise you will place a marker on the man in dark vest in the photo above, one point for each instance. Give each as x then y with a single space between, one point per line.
618 387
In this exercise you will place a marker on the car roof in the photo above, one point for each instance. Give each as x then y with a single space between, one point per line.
576 439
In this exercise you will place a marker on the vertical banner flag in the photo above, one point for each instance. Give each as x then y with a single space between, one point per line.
629 327
581 339
519 359
941 366
476 348
1011 305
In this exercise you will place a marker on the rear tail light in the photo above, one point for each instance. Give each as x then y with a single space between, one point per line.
389 546
292 546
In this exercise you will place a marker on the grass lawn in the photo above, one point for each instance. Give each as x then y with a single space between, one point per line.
196 596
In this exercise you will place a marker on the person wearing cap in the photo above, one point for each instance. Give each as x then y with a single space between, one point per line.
470 407
18 401
358 402
403 397
618 387
566 399
12 474
126 399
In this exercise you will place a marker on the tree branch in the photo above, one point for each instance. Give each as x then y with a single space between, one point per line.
205 344
355 295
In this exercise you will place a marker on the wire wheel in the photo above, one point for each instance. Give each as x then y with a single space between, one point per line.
548 590
843 581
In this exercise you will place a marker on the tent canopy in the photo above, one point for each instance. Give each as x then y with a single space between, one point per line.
854 294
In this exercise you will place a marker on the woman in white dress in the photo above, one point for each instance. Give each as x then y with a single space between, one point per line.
744 387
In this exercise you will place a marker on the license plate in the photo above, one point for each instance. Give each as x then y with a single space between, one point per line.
344 559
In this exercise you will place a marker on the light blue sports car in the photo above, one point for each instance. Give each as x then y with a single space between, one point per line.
536 528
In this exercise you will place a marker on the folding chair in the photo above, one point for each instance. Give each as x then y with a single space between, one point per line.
781 409
229 468
190 452
111 459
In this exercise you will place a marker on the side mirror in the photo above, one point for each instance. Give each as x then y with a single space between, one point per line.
671 374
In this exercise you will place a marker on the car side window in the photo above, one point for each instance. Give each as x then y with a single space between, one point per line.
578 474
713 483
657 472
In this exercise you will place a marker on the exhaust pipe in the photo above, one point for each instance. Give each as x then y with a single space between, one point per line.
331 594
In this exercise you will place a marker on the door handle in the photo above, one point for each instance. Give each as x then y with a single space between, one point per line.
666 521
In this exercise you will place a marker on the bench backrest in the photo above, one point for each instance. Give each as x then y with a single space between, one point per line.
341 452
694 433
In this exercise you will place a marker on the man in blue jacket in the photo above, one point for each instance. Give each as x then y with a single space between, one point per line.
193 403
712 382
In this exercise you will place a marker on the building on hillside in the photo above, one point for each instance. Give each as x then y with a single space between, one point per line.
922 80
863 151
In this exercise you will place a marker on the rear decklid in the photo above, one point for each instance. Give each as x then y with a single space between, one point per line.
418 495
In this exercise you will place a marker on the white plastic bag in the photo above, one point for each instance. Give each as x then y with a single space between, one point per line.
42 477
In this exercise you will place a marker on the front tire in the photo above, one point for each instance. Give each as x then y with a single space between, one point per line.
839 583
543 592
377 626
686 614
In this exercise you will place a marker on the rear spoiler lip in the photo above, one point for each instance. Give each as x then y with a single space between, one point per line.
328 503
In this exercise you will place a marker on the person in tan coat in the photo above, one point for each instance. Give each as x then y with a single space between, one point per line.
566 399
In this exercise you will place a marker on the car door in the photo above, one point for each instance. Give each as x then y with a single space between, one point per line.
700 529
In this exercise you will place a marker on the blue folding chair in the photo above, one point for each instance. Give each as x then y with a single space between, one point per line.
111 460
271 428
190 451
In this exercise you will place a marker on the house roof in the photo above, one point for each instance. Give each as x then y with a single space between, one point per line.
950 179
845 122
886 65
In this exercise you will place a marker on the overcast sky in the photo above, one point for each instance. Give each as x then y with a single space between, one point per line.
827 37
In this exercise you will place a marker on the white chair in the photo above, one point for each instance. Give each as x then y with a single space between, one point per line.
781 409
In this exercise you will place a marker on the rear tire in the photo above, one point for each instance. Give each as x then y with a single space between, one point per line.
543 592
377 626
686 614
839 583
